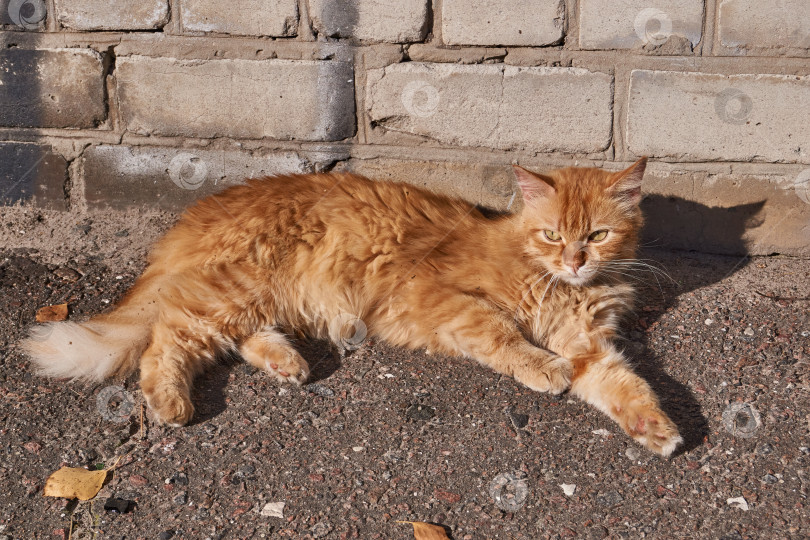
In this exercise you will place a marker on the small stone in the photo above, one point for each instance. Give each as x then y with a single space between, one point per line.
123 233
708 322
738 502
601 431
520 421
67 274
609 498
137 480
320 529
446 496
770 479
568 489
274 509
114 504
358 448
165 535
180 498
420 412
748 331
178 478
632 453
320 390
764 449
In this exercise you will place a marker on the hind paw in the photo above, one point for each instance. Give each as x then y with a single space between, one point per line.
170 408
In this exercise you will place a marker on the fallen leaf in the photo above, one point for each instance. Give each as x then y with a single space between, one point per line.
55 313
426 531
73 483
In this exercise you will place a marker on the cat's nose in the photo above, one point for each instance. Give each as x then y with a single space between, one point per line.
579 261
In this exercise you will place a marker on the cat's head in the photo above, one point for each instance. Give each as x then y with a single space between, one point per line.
577 220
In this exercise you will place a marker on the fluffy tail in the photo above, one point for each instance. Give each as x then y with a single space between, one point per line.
106 345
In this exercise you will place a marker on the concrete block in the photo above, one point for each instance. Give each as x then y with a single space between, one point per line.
749 24
57 88
625 24
32 172
733 214
394 21
503 22
495 106
701 116
241 17
279 99
172 178
112 14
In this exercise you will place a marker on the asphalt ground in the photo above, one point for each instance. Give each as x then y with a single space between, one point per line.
385 434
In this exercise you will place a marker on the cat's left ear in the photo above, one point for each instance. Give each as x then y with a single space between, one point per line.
627 183
534 185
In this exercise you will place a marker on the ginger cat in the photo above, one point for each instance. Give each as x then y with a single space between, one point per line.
536 295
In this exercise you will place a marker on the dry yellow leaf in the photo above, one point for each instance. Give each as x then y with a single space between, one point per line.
55 313
73 483
426 531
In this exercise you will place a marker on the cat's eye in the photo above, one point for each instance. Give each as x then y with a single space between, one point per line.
597 236
554 236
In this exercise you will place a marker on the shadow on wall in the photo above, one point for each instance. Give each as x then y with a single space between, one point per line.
676 223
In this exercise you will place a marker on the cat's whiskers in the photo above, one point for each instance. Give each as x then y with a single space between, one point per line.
553 279
647 264
630 276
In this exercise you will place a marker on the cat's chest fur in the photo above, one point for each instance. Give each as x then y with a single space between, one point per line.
574 320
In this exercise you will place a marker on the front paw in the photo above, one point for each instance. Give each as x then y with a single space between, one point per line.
650 427
546 374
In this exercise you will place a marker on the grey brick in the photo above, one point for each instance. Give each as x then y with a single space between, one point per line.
280 99
172 178
51 88
506 107
32 172
502 22
396 21
624 24
702 116
112 14
241 17
752 23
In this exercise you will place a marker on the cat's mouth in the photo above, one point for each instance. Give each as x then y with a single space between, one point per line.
577 277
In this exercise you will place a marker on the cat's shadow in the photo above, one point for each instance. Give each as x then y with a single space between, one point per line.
209 395
670 224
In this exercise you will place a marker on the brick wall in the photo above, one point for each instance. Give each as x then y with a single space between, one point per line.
110 104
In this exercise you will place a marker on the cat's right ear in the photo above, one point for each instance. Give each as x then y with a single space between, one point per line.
534 185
